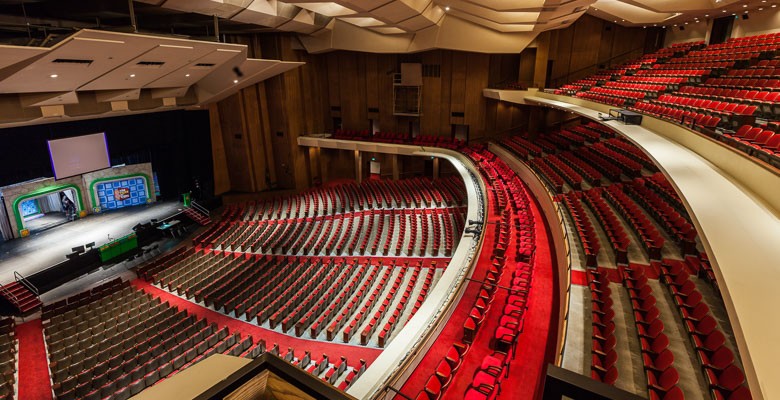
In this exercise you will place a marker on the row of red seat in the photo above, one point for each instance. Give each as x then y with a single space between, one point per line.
602 98
676 224
644 87
769 102
658 359
725 378
603 355
771 72
744 83
609 223
588 237
640 224
624 94
755 140
678 115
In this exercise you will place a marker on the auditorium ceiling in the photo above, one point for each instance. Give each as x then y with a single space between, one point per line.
380 26
99 73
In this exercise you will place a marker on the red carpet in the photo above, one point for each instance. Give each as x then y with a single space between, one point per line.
34 380
536 345
579 278
453 330
317 348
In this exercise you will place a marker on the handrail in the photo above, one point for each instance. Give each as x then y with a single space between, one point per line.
396 391
7 293
200 208
20 278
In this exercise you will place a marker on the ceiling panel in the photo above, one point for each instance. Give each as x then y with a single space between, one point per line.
192 73
145 69
97 57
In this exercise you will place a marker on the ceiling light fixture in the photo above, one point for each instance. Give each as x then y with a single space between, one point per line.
774 5
235 80
744 6
447 8
760 8
132 75
187 75
53 75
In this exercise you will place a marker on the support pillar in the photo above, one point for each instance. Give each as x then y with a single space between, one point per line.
396 169
436 168
358 166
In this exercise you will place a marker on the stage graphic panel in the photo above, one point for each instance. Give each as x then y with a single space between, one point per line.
126 192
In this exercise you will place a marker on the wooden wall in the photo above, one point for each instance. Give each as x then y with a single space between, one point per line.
588 45
259 126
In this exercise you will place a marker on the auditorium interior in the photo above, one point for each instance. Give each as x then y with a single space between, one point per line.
482 199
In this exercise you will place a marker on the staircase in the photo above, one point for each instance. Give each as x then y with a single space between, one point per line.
24 299
198 213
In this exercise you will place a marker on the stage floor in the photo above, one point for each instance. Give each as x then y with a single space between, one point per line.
44 249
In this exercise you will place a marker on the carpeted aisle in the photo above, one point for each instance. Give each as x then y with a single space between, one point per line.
334 350
34 381
536 345
453 330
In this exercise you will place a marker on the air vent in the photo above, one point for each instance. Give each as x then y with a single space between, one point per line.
204 65
149 64
73 61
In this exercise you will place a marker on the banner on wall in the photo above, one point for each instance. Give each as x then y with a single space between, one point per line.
122 193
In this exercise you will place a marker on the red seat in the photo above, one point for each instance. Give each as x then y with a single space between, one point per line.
729 379
720 359
658 363
609 376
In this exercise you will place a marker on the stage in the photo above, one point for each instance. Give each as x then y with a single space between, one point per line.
44 249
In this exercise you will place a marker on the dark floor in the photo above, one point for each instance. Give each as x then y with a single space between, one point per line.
41 250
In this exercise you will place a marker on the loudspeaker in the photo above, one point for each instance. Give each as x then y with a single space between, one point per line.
745 16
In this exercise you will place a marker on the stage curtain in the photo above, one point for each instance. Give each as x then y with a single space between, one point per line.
50 203
5 227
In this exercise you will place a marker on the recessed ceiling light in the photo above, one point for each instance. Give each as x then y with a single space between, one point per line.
53 75
763 1
744 6
188 75
706 15
622 20
447 8
132 75
724 10
774 5
760 8
686 23
235 80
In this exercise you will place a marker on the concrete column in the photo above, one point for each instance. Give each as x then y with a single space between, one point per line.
396 169
436 168
358 166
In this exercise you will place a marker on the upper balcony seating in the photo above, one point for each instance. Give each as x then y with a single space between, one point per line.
706 88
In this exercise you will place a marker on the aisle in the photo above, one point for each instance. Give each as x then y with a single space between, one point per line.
34 381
